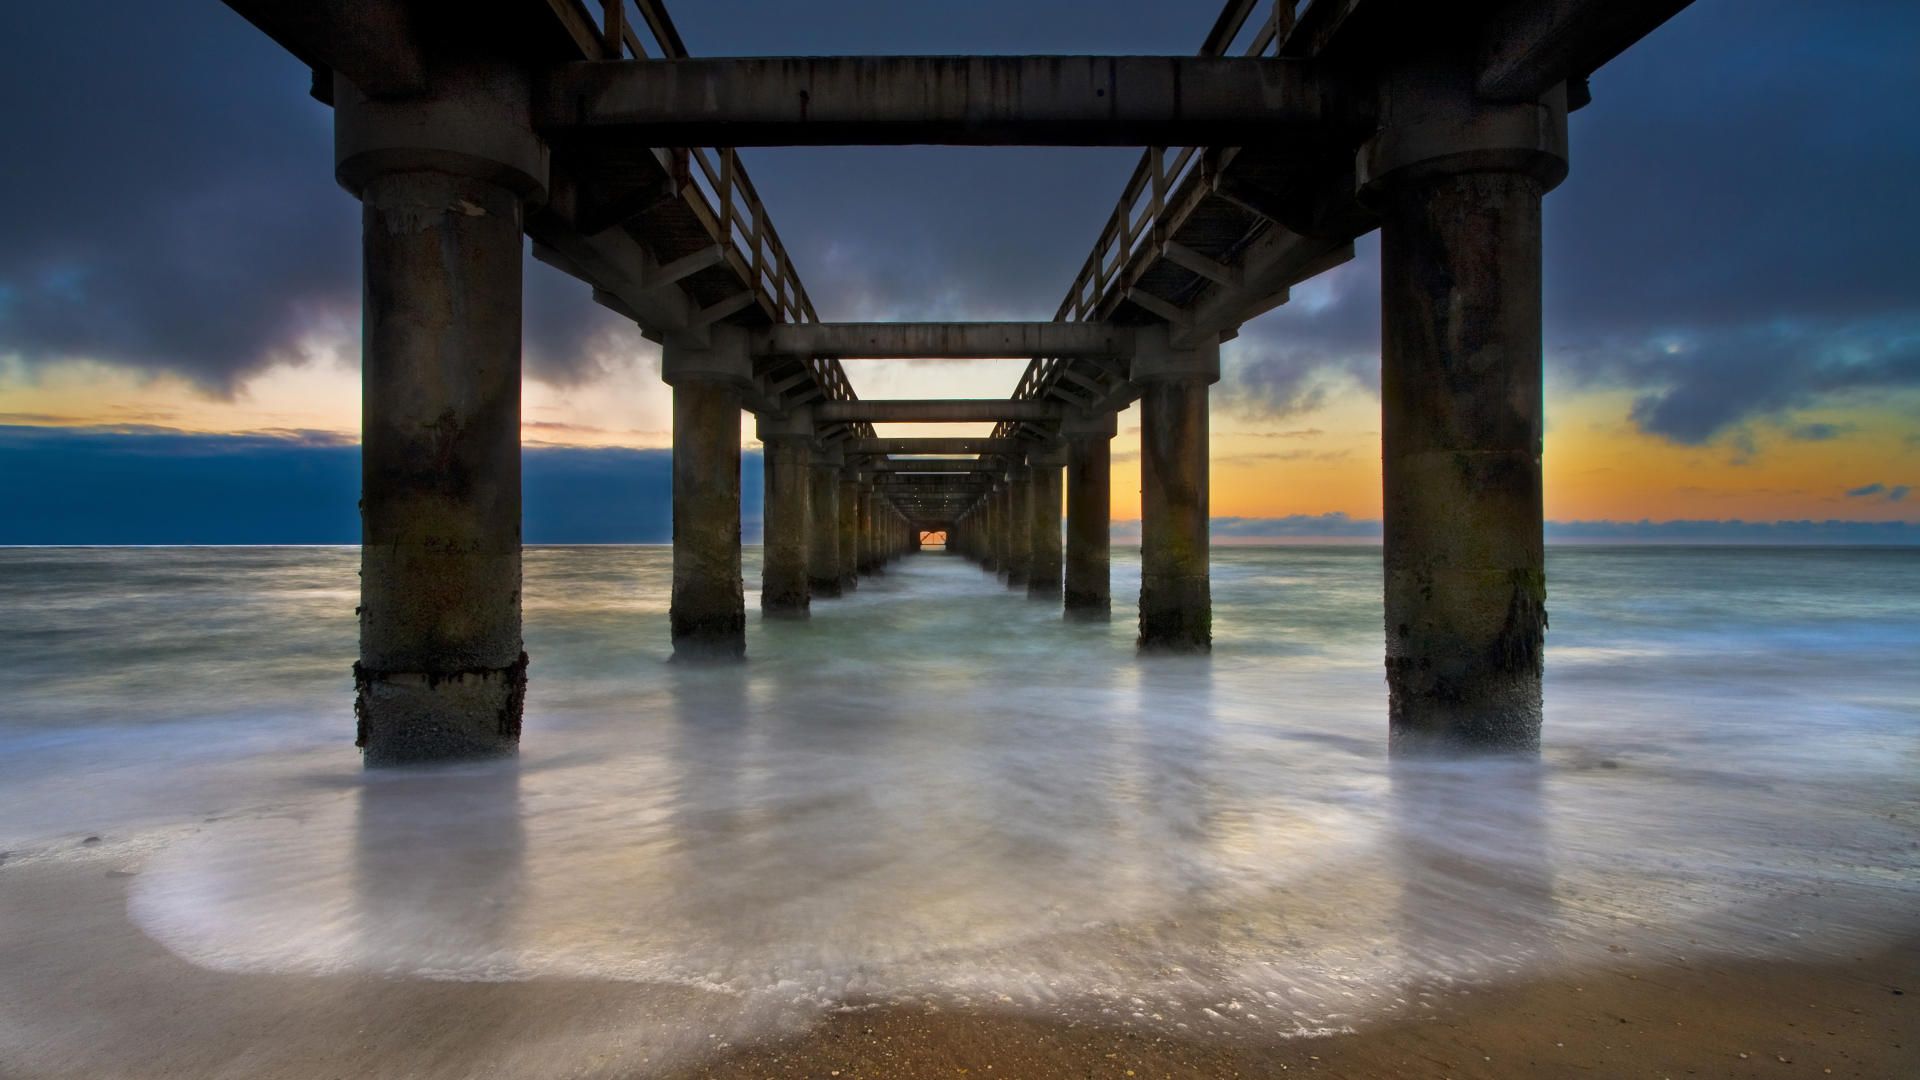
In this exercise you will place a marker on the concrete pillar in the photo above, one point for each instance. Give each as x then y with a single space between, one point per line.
787 515
849 530
1458 186
1088 589
708 613
442 181
1176 603
1019 525
1043 528
823 554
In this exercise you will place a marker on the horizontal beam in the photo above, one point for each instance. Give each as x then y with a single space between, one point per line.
371 42
953 100
935 411
1532 45
949 340
935 445
923 465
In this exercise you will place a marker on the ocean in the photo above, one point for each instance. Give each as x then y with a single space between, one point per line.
937 792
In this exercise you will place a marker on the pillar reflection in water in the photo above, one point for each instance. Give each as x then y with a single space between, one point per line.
1469 841
439 870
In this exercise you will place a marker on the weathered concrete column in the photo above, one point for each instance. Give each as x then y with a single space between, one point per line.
849 529
1176 602
1019 524
709 613
442 181
1089 577
823 554
785 578
1043 525
1458 185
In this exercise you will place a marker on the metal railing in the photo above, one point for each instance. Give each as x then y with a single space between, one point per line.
1161 193
713 181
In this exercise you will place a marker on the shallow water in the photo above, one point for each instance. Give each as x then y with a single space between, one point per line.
937 791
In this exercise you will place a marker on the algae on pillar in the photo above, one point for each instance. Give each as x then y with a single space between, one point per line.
1043 528
1459 188
823 554
1088 589
1176 602
709 612
442 180
787 517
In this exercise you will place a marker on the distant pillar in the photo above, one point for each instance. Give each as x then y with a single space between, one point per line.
787 518
823 554
1019 525
1043 529
1458 188
995 540
1089 512
1176 603
869 545
708 612
849 530
442 180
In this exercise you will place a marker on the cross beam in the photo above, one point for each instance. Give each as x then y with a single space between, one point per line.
958 466
936 411
954 100
925 445
949 340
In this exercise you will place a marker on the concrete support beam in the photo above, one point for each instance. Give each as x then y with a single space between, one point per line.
949 341
949 466
1088 588
956 100
371 42
787 515
1176 603
1529 46
1459 193
932 445
441 673
823 553
1043 527
708 612
936 411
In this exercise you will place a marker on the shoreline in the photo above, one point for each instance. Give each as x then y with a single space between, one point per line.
83 993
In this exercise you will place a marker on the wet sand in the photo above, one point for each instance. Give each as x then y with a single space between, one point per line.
83 993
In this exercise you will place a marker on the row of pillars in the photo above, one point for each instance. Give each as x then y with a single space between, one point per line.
825 526
446 181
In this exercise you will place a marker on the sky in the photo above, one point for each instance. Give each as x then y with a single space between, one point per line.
1732 300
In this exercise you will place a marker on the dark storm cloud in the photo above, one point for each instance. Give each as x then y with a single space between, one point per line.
170 203
171 206
1327 339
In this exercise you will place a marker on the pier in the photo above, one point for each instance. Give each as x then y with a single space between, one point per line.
1298 127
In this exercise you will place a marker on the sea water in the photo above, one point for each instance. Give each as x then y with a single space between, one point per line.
937 792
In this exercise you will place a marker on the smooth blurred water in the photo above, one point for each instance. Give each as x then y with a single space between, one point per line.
936 790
